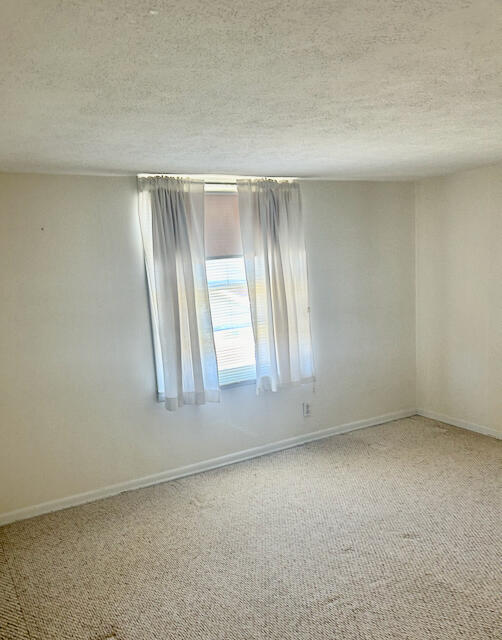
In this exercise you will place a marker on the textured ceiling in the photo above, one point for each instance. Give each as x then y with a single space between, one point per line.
340 88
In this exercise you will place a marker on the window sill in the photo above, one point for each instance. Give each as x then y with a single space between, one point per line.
242 383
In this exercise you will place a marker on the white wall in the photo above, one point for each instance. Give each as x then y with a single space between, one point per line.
459 297
77 382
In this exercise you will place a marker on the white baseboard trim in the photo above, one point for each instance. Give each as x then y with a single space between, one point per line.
198 467
463 424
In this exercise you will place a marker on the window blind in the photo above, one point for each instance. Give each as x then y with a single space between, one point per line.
228 292
233 333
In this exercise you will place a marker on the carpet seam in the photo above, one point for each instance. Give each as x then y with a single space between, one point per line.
16 592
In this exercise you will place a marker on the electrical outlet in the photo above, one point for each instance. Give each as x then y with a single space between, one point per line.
307 410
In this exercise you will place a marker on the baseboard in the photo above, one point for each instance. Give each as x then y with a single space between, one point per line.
198 467
463 424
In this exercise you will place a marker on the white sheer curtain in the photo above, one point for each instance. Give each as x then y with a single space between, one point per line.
276 270
172 226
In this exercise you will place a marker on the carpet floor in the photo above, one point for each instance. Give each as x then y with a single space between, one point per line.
387 532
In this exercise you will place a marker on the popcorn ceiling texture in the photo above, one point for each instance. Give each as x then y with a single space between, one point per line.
330 88
391 532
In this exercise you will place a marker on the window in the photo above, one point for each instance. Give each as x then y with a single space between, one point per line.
228 294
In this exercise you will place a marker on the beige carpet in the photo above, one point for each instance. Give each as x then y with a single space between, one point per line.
389 532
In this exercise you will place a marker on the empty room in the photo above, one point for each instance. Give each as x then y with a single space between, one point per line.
250 320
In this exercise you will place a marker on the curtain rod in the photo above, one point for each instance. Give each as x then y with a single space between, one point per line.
215 178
